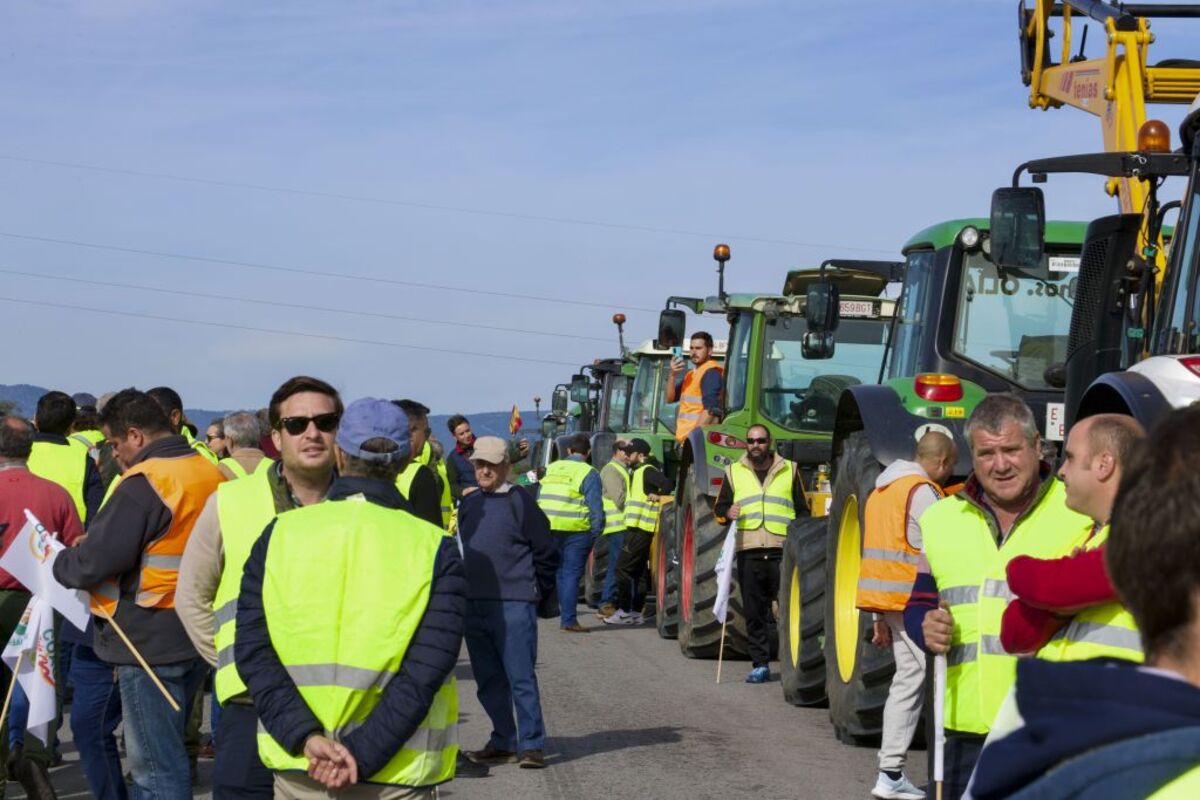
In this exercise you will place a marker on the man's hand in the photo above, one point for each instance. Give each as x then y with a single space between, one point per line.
523 447
330 763
938 627
653 498
882 635
734 511
677 365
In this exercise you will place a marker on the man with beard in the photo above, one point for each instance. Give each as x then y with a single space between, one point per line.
761 492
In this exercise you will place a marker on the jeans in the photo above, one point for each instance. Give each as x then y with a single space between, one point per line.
238 771
154 732
574 548
961 753
501 637
214 717
758 574
18 716
95 714
609 595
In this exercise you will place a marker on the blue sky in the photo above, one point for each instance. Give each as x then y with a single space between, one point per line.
796 132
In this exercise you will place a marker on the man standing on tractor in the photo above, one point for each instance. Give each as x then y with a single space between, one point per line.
891 550
1011 505
762 492
1066 609
698 392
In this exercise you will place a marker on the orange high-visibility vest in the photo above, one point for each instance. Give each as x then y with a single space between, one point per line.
691 401
183 484
889 562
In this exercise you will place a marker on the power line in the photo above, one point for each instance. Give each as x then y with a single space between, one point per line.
299 306
437 206
280 332
318 273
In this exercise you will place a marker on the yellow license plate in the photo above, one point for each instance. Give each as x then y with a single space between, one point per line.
956 411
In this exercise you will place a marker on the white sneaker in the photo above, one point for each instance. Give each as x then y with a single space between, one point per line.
622 617
902 789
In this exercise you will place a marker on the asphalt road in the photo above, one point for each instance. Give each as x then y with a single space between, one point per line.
628 716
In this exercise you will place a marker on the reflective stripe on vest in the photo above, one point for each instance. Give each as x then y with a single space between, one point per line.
438 465
691 400
1105 630
889 562
614 518
350 548
640 513
960 545
767 507
64 464
404 480
183 485
561 496
244 509
90 439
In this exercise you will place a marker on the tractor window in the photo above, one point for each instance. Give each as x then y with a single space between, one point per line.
1183 333
648 391
911 314
802 394
1015 322
737 361
618 401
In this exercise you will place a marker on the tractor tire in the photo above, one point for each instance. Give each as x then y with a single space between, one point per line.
700 545
666 577
802 613
596 571
858 674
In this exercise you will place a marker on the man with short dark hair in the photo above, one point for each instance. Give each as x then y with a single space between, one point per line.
614 482
307 411
699 391
131 555
425 454
172 406
20 489
349 624
570 495
511 561
647 484
65 461
1111 728
417 481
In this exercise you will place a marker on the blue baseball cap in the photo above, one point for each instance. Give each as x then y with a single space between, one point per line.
371 418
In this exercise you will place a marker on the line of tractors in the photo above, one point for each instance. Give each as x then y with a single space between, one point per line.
851 358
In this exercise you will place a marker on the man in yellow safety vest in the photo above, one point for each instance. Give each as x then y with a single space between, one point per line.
66 461
1011 505
349 625
242 434
304 412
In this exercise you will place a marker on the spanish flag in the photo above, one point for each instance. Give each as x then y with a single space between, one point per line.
514 421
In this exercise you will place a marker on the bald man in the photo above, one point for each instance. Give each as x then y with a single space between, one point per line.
891 549
1051 594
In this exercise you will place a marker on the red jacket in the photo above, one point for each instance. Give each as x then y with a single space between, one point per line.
20 489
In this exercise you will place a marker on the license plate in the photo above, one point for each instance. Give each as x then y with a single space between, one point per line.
858 308
1055 421
1064 264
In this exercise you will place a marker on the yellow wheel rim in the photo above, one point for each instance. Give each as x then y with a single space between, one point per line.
794 617
845 594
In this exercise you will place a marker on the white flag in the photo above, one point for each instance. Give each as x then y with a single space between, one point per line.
30 559
34 637
725 573
939 718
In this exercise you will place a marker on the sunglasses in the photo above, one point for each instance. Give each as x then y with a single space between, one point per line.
326 423
758 441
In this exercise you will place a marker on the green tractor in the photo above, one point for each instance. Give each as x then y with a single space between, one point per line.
781 372
963 327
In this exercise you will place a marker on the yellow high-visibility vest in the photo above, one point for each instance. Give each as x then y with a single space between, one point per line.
640 513
769 506
614 518
561 496
64 464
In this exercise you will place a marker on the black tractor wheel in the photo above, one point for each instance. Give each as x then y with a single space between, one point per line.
666 576
858 674
596 571
802 613
700 544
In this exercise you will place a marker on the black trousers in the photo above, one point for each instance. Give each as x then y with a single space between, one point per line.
962 751
632 563
238 772
758 575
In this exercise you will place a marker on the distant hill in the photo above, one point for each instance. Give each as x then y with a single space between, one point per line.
487 423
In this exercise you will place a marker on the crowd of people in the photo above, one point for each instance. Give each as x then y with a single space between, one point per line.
1070 633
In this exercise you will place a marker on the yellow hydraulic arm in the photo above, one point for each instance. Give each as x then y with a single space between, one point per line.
1116 87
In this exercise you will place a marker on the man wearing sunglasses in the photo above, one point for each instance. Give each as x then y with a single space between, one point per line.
762 492
304 413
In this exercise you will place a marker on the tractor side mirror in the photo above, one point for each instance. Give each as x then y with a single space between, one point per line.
817 344
822 308
558 400
1018 227
671 324
579 388
549 427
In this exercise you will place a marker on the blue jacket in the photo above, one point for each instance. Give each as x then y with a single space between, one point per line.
1078 718
406 699
593 495
509 551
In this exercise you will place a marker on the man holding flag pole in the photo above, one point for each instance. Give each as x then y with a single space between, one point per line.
23 493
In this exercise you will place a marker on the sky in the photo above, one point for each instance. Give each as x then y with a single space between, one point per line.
448 201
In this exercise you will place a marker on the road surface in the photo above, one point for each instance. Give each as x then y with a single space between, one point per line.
628 716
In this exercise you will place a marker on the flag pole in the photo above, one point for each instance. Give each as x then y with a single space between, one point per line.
12 684
721 649
939 723
138 656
